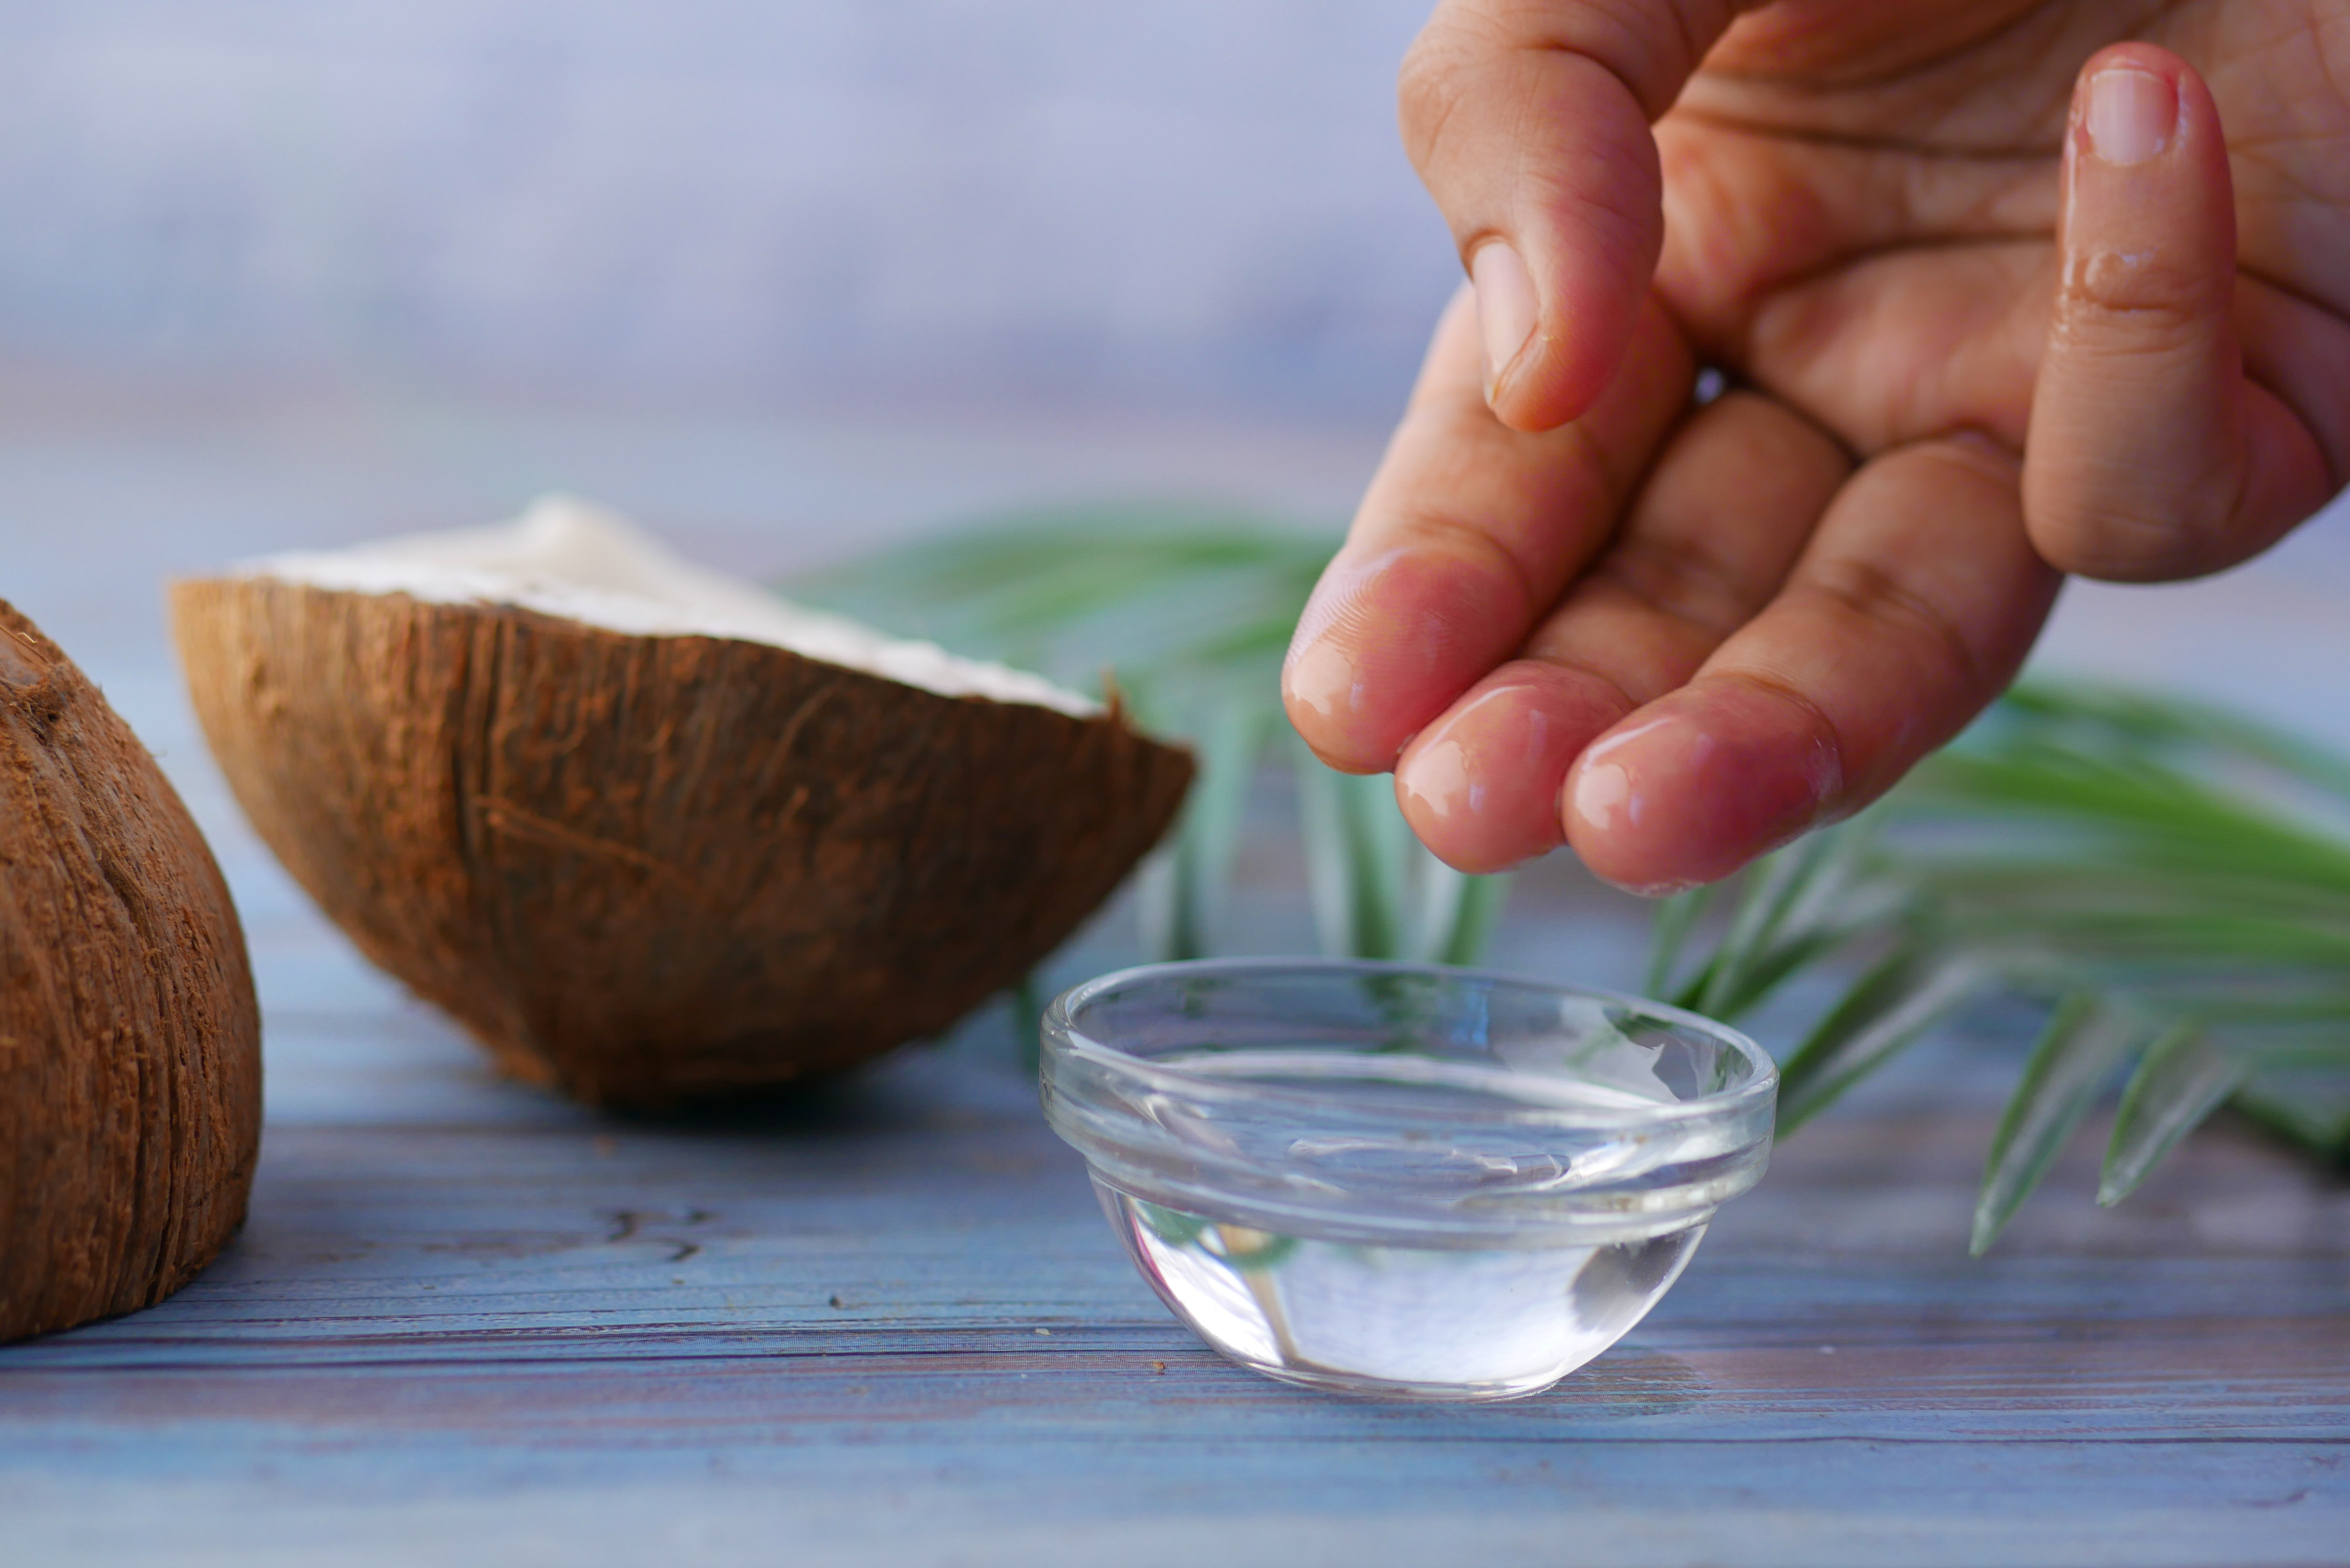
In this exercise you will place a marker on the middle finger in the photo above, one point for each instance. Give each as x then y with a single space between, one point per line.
1713 534
1469 535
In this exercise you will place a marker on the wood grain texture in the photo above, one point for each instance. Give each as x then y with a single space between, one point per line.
651 869
130 1036
476 1326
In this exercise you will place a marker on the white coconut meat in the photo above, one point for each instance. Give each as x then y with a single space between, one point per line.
567 558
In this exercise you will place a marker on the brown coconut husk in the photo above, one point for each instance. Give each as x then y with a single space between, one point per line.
129 1041
657 868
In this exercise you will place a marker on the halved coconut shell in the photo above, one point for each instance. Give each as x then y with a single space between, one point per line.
129 1041
652 869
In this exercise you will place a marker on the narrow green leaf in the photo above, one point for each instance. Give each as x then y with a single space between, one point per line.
1028 1023
1675 923
1382 846
1356 852
1160 907
1809 902
1438 893
1765 895
1164 592
2180 721
2084 1042
1692 989
1902 997
1866 913
2313 1109
1482 903
2269 1047
1183 891
2182 1079
2140 807
1458 913
1826 896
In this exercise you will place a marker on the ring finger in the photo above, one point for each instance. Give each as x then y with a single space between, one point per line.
1706 545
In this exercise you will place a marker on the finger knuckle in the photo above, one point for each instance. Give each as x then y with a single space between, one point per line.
2107 526
2122 294
1881 600
1429 90
1679 579
1432 528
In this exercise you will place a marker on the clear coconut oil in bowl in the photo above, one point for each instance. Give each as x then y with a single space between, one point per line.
1399 1180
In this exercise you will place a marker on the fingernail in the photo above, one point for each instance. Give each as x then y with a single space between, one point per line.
1507 308
2132 114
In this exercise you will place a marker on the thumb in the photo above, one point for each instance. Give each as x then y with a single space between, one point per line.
2150 456
1529 121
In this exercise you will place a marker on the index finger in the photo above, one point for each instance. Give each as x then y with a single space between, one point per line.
1469 532
1528 120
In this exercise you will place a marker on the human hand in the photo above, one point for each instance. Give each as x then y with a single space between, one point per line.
1984 321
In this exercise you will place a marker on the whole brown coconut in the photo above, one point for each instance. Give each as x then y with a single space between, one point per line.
653 868
130 1043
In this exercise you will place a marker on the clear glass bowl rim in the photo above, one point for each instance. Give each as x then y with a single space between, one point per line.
1061 1033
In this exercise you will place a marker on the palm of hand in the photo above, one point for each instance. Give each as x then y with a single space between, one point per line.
1862 202
1972 338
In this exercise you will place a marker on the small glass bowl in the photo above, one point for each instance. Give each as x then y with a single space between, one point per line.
1401 1180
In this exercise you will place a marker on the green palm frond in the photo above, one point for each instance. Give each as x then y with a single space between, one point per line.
2181 1079
2171 882
2086 1041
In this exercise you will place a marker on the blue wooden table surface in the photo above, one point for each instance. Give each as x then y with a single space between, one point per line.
468 1323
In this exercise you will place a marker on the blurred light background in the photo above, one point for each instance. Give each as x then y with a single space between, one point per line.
784 278
938 199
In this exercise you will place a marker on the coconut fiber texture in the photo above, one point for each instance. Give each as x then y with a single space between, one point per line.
656 869
130 1043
